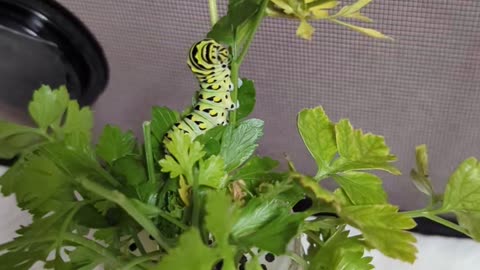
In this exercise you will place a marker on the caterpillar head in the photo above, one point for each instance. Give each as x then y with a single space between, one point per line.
208 52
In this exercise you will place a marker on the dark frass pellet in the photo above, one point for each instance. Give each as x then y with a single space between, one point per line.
132 247
269 257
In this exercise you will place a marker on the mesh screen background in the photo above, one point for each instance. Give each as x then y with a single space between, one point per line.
422 88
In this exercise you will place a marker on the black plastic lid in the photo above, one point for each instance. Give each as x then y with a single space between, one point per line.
86 67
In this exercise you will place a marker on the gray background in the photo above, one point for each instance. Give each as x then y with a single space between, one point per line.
422 88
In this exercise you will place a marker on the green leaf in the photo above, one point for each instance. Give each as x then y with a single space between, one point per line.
340 252
15 139
257 170
313 187
78 120
39 186
238 21
266 224
420 176
246 98
48 106
190 253
384 229
219 205
184 153
114 144
130 169
463 189
238 144
462 196
362 188
360 151
75 163
211 140
470 221
318 134
356 146
365 31
162 121
211 172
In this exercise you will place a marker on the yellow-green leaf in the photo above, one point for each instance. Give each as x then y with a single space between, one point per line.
305 30
365 31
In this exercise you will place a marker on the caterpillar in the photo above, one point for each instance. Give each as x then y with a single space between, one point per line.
209 61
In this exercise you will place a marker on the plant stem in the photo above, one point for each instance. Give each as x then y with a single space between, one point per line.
298 259
422 212
196 204
141 259
238 59
120 199
447 223
256 23
147 135
92 245
172 220
212 5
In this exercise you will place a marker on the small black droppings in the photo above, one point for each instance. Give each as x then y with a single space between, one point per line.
132 247
269 257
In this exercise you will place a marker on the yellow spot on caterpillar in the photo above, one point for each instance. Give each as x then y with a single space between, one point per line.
215 87
217 99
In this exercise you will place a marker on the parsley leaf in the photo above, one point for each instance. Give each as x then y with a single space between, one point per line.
462 196
360 151
191 253
48 106
184 153
362 188
318 134
15 139
162 121
239 143
211 172
383 228
246 97
420 176
267 224
115 144
340 252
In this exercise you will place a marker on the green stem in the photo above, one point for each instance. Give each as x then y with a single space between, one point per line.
422 212
314 238
120 199
92 245
147 135
63 228
196 204
238 59
172 220
140 260
447 223
212 5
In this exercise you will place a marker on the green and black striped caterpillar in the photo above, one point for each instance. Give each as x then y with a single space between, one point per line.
210 63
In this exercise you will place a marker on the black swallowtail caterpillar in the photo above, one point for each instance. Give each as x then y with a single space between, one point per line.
210 63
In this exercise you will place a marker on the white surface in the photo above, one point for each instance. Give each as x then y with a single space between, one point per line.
435 252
